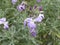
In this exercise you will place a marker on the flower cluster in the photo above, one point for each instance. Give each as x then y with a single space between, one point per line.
3 21
31 23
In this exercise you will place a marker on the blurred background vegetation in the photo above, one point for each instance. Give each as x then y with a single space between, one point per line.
48 29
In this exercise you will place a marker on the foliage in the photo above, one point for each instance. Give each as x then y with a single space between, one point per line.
48 29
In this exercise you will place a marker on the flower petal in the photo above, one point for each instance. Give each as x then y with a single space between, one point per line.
39 18
2 20
31 25
6 25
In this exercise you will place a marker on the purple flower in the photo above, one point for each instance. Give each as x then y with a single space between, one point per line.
27 20
30 8
21 7
38 1
35 6
40 8
31 25
4 22
33 32
14 2
39 18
